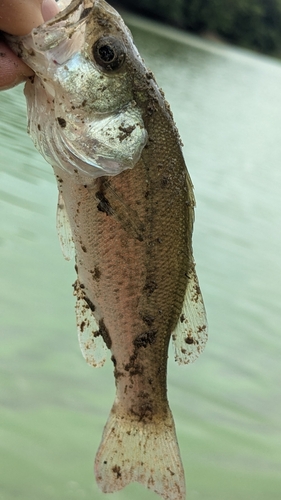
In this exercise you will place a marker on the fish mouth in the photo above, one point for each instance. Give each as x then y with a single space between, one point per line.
80 8
46 36
53 32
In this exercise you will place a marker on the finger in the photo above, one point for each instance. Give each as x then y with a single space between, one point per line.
12 69
49 9
19 17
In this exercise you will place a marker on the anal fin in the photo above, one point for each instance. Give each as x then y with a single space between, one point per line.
90 338
64 230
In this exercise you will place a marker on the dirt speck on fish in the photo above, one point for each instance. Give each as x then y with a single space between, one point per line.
126 211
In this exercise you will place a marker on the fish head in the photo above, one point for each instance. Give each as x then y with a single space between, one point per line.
83 104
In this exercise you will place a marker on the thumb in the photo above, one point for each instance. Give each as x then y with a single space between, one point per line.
49 9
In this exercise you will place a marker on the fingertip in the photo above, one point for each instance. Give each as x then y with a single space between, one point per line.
49 9
20 17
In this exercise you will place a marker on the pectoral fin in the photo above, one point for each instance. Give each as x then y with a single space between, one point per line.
190 334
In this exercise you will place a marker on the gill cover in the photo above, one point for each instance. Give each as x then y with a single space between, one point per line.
82 115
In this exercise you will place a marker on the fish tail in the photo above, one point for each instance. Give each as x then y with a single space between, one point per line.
147 453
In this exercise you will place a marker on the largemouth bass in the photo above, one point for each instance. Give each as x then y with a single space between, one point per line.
126 210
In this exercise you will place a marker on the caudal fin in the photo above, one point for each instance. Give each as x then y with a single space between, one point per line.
148 453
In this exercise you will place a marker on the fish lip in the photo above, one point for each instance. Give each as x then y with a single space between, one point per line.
62 26
62 22
72 7
65 12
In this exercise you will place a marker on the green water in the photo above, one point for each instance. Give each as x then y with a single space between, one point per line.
227 406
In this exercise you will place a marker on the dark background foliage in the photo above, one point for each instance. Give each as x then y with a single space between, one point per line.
255 24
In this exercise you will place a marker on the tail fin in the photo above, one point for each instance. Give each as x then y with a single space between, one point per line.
147 453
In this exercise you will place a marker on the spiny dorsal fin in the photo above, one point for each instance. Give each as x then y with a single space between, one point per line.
90 338
190 334
64 230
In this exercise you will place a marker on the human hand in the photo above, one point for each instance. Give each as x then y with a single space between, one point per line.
19 17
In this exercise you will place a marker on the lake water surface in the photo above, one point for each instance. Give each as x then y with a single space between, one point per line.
227 406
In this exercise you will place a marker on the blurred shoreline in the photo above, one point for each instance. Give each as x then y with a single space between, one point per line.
255 26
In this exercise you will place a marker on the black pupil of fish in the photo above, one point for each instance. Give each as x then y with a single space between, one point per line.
106 53
109 53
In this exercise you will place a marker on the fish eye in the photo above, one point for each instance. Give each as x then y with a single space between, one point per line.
109 53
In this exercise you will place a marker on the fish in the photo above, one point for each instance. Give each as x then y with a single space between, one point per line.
126 213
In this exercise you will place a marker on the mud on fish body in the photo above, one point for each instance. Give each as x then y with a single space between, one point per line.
126 211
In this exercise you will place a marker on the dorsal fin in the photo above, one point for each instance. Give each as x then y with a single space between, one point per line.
190 334
64 230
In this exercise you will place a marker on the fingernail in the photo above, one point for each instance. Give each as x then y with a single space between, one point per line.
49 9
